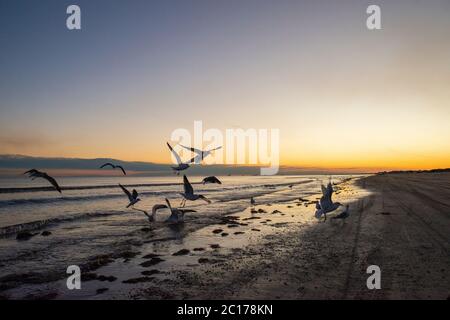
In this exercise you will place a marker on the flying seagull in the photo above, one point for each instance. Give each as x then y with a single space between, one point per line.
189 193
325 204
177 215
201 154
152 217
133 197
211 179
33 174
343 215
180 164
114 167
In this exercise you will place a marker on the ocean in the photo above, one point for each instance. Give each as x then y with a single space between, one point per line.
89 220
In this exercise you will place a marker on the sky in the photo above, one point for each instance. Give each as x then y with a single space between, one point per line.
342 96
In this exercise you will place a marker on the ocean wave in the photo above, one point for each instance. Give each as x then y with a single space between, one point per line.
40 224
110 186
62 198
114 186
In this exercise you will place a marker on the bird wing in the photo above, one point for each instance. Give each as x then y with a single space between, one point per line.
107 164
205 198
145 212
187 186
135 194
126 192
325 203
121 168
196 159
53 182
156 207
324 190
318 213
32 171
329 190
168 204
212 179
186 210
197 151
177 157
215 149
208 179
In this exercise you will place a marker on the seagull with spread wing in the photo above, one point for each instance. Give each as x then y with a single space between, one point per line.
211 179
33 174
152 217
180 164
189 193
201 154
326 204
133 197
114 167
177 215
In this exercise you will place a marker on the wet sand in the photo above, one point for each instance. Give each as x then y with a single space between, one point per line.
280 251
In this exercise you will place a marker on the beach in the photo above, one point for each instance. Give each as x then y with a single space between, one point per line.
401 225
277 249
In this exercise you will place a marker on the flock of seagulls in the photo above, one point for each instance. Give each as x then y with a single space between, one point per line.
323 206
177 214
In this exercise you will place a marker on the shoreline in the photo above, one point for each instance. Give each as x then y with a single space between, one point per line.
280 251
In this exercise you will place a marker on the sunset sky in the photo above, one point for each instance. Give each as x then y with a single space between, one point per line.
341 95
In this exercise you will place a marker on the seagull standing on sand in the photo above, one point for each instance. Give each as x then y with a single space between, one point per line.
189 193
325 204
152 217
114 167
211 179
201 154
177 215
33 174
133 197
180 164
